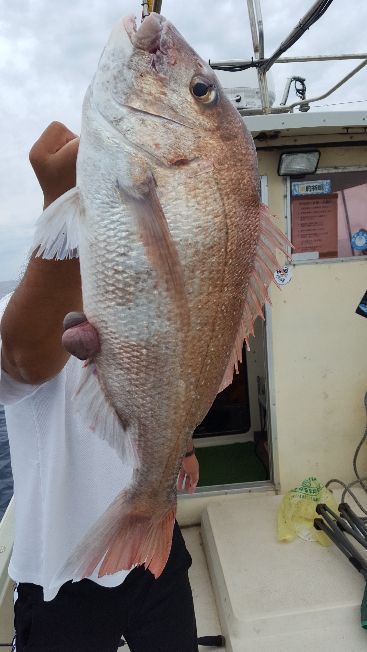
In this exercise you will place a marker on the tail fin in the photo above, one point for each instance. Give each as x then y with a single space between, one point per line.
123 537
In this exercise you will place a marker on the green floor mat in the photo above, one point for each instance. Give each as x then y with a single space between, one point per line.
229 464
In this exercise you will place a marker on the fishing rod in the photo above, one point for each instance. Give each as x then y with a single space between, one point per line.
150 6
336 527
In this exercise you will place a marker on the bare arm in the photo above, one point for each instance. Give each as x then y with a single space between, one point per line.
31 327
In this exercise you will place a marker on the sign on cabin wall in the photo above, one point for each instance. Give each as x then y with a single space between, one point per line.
315 224
319 187
328 215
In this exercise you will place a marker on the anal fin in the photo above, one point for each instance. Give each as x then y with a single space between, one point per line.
102 419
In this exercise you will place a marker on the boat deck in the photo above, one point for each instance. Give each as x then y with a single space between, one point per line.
279 597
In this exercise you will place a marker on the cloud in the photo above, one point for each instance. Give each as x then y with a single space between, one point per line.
49 52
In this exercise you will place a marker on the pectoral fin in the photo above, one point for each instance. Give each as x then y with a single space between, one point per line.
157 240
57 235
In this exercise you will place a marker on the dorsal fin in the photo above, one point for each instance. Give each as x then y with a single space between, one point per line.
265 264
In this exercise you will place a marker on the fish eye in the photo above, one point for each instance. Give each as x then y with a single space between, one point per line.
203 91
200 89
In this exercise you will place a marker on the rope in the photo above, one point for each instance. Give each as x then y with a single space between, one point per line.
360 481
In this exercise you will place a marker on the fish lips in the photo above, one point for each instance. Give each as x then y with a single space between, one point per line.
153 37
149 35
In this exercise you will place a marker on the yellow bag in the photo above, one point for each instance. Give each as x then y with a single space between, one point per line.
298 510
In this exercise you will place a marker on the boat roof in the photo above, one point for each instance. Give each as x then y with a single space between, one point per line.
318 122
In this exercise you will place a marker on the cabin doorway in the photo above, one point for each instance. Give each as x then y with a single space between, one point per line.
232 441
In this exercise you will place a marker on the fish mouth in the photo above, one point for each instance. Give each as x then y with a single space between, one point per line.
148 36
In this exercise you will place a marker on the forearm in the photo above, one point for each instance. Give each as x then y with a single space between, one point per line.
31 328
32 325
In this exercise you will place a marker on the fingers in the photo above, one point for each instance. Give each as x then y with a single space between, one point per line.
54 137
69 151
189 474
181 480
192 484
187 481
53 158
80 337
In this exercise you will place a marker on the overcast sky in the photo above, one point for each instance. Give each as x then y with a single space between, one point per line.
49 52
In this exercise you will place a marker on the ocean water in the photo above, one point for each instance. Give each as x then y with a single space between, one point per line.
6 478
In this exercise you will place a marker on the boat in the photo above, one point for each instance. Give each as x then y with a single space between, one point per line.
299 396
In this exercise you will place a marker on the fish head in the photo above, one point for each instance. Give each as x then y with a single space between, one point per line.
155 90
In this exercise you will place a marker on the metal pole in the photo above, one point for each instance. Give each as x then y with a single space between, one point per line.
257 32
331 90
261 74
322 57
250 63
264 91
347 221
252 19
290 107
286 91
294 35
260 27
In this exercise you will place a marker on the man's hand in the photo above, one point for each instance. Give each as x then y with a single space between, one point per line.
31 327
53 158
189 474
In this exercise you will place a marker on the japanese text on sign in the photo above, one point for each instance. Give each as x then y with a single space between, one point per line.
315 225
319 187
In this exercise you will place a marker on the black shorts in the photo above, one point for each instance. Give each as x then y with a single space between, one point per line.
150 615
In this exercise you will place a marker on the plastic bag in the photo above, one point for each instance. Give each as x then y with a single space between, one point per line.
298 510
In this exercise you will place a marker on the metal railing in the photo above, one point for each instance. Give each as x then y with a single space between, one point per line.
263 64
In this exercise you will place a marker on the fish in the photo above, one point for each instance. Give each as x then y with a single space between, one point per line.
176 256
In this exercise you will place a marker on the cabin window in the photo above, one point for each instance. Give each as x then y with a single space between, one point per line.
328 215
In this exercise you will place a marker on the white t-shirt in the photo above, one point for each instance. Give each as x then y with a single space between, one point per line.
65 476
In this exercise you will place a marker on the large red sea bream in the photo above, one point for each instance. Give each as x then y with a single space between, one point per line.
176 254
